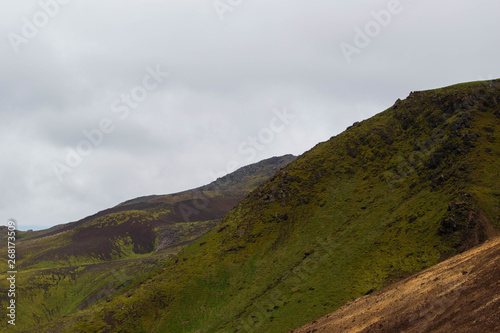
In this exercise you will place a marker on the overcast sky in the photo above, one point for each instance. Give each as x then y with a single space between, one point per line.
104 101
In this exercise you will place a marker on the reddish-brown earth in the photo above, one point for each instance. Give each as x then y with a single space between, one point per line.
461 294
98 242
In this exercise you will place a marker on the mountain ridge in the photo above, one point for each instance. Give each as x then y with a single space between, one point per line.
387 198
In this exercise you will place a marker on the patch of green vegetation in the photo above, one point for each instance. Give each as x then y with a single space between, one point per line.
115 219
48 293
485 186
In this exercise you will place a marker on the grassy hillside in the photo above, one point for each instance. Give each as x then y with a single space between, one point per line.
69 267
390 196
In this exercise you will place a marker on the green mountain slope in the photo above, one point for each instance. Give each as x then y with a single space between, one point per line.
68 267
390 196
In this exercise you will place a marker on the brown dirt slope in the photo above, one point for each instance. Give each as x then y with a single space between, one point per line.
461 294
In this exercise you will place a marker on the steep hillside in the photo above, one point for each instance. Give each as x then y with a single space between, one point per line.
68 267
461 294
389 197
